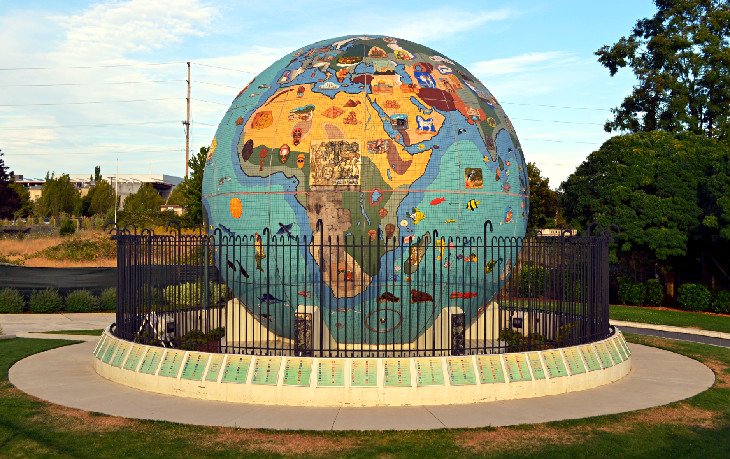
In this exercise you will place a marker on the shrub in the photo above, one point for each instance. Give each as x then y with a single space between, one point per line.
108 300
80 249
721 302
693 297
653 292
67 227
531 281
190 294
45 301
81 301
11 301
630 292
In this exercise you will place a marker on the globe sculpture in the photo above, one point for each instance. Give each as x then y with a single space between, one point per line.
356 175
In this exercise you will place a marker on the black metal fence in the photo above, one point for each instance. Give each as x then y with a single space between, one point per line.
434 295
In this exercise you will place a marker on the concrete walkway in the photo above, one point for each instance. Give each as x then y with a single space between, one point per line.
66 376
22 324
671 329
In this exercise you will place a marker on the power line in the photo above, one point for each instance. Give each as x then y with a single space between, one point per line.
88 102
136 64
556 106
562 141
223 68
42 85
556 121
54 126
209 101
215 84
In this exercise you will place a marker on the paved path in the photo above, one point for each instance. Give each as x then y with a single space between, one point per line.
22 324
658 377
684 336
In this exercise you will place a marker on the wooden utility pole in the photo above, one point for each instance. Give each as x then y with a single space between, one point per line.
187 126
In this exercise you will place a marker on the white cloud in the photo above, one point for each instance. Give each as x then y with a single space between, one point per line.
436 24
528 62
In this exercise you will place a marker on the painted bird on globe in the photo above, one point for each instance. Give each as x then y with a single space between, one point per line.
258 246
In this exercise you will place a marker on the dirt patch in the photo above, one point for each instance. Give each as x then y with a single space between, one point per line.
680 414
722 378
82 421
523 438
282 443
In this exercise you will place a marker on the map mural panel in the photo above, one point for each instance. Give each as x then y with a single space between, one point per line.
384 141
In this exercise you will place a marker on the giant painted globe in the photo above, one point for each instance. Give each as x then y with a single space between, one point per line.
356 175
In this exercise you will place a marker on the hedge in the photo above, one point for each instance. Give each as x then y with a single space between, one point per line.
693 297
11 301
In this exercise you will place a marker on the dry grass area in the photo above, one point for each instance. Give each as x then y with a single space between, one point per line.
282 442
82 421
32 251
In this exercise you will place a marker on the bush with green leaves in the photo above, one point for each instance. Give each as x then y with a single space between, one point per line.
108 300
531 281
653 292
693 297
190 294
67 227
81 301
630 292
721 302
45 301
11 301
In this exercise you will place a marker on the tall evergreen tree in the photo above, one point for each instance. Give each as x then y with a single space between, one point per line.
10 201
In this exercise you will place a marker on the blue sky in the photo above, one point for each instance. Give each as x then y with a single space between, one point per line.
86 83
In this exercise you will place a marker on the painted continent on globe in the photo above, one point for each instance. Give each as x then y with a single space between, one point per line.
384 141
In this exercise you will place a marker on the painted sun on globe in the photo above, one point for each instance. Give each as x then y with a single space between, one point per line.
382 140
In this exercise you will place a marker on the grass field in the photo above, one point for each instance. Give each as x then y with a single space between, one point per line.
673 317
96 332
698 427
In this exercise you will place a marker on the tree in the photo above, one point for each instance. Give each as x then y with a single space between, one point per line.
59 195
665 194
102 200
680 57
543 200
97 174
189 193
26 205
141 208
10 202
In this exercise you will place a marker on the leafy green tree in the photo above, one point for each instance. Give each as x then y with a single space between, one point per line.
102 200
543 200
660 190
59 195
97 174
141 208
26 205
680 57
10 202
189 193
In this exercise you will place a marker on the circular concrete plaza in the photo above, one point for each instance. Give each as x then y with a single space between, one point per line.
66 376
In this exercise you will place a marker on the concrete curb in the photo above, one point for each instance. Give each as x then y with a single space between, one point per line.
669 328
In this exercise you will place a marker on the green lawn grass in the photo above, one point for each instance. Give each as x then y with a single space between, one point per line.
698 427
95 332
674 318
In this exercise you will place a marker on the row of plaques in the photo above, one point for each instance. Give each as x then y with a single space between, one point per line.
363 372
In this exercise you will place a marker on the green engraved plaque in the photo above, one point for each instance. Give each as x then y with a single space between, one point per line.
554 364
621 350
429 372
119 356
397 372
134 356
102 349
603 356
589 355
266 371
195 366
109 352
575 364
624 344
517 369
331 373
615 356
536 365
171 364
236 369
364 373
490 369
214 369
461 371
297 372
99 344
151 360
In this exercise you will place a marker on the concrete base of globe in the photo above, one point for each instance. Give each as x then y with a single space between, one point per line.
301 381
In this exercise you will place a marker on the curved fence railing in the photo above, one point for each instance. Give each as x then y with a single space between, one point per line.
435 295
